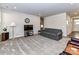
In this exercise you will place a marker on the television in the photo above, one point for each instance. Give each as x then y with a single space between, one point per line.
28 27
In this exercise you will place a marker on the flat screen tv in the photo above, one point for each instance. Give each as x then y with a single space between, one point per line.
28 27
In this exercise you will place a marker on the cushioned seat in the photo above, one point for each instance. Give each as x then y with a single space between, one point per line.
52 33
72 47
74 41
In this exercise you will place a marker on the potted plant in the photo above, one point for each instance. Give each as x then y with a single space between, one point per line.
4 29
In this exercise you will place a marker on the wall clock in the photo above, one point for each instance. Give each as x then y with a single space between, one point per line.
27 20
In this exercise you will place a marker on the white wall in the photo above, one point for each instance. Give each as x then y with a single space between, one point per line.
0 21
56 21
69 24
18 18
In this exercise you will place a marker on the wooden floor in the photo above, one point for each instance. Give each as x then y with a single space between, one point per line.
74 34
33 45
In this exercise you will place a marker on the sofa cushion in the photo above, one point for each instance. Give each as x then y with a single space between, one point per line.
50 33
75 41
53 30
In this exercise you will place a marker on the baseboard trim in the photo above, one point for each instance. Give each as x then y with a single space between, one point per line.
17 36
20 36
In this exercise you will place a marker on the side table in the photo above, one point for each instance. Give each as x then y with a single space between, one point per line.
5 36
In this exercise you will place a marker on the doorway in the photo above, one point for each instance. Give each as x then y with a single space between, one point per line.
75 32
76 24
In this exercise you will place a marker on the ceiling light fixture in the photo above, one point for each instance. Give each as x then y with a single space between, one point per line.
15 7
71 3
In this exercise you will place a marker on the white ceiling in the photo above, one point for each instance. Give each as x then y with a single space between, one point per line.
42 9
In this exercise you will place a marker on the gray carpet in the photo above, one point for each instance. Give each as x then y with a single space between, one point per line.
33 45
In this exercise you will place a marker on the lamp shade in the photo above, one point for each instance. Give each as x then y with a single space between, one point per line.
13 24
5 26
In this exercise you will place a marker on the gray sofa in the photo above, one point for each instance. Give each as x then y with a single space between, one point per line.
55 34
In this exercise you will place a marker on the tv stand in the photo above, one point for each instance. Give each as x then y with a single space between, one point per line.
28 33
28 30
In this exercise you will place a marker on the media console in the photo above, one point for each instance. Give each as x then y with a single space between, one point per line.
28 30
